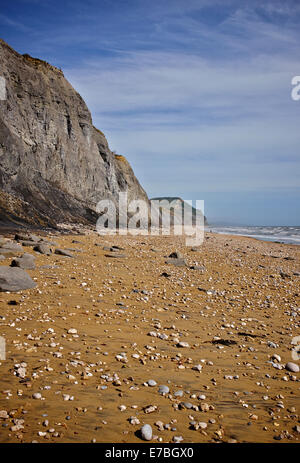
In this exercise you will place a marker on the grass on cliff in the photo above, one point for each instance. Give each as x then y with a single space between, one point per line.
119 157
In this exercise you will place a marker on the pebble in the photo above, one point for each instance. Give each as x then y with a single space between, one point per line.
134 420
204 407
202 425
72 331
152 383
276 357
177 439
160 425
197 367
4 414
37 395
146 432
163 389
290 366
150 409
187 405
182 344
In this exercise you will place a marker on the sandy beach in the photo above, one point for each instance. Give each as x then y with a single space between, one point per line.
89 348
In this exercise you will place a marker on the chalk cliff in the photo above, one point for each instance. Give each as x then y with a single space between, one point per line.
54 164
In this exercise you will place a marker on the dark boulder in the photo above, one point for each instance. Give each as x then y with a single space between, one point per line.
15 279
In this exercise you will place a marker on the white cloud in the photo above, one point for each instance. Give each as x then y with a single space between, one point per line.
161 81
180 115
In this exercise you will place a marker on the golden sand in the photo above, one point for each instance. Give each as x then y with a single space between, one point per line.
249 295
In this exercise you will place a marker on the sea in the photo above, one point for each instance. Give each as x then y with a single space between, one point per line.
282 234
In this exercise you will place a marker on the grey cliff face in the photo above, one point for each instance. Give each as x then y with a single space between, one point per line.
54 164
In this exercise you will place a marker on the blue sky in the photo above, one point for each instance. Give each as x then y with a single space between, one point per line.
196 94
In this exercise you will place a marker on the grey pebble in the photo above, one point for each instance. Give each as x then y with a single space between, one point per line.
188 404
152 383
290 366
146 432
163 389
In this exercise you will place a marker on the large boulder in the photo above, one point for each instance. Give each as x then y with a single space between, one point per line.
8 252
63 252
43 249
25 262
177 262
26 237
12 246
14 279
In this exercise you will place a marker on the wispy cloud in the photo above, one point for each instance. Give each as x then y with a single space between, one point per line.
196 94
6 20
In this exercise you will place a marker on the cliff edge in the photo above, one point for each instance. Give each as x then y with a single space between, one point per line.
54 164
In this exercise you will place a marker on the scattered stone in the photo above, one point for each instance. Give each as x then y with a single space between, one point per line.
4 415
14 279
182 344
43 249
7 252
290 366
163 389
25 237
150 409
12 246
177 439
25 262
177 262
200 268
63 252
152 383
175 255
160 425
134 420
20 370
146 432
72 331
197 367
29 243
116 256
202 425
224 342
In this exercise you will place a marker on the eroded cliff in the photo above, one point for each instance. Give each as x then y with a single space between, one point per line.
54 164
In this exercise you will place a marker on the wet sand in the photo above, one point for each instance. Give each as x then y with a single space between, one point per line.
126 321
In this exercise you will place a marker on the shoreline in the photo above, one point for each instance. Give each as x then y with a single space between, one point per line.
79 229
259 238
